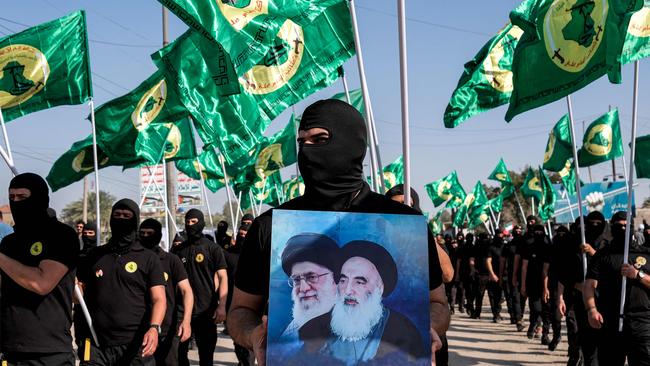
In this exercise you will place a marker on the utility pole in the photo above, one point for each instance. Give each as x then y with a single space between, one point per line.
172 198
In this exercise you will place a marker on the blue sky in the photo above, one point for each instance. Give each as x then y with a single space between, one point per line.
442 36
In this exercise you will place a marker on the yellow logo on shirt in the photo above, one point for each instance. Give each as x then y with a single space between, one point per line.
199 258
639 262
166 276
36 249
131 267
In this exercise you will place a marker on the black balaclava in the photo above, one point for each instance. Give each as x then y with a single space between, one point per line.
398 190
222 229
498 238
90 241
333 170
529 219
31 212
123 231
194 232
515 234
153 240
469 239
247 217
618 228
539 234
594 226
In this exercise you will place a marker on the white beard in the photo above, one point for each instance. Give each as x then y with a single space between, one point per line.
304 311
355 322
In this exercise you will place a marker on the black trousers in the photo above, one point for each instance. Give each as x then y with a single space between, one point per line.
167 351
205 335
556 317
587 336
495 296
512 295
124 355
633 343
540 311
470 288
450 291
480 293
244 356
40 359
572 329
460 295
442 355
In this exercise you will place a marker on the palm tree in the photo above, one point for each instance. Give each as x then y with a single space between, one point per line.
73 212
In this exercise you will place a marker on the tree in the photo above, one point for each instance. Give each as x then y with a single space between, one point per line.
646 203
73 211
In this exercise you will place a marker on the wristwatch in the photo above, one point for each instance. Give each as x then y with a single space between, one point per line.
640 275
156 327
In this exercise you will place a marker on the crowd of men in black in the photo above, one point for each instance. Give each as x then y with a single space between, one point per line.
549 274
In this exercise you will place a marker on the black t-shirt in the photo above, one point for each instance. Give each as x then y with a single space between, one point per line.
464 253
605 267
253 268
479 253
494 252
508 253
117 291
31 322
173 272
202 259
536 253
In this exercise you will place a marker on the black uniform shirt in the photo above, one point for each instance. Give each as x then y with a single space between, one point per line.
253 268
173 272
605 267
508 253
479 253
31 322
202 259
494 252
464 253
537 253
117 291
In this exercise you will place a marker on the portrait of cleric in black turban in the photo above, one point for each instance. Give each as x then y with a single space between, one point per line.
345 289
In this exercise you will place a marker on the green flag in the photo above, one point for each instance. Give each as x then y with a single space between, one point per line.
264 189
567 44
547 203
207 163
171 141
501 175
558 146
78 162
486 82
642 157
637 40
531 187
568 176
443 189
477 200
356 99
394 173
435 224
45 66
496 203
602 141
479 215
293 188
277 151
460 216
246 28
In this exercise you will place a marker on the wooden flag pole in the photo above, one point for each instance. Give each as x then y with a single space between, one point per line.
630 192
401 19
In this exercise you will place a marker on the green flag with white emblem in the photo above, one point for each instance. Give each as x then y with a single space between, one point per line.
45 66
486 82
207 163
394 173
443 189
435 224
262 189
356 99
501 175
531 187
477 199
496 203
566 45
171 141
558 147
293 188
602 140
637 40
547 202
275 152
568 176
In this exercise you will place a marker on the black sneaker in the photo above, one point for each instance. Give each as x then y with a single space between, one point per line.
545 340
531 331
495 320
520 327
554 343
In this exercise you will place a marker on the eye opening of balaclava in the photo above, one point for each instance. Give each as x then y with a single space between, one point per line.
152 240
617 223
34 208
333 171
194 232
124 231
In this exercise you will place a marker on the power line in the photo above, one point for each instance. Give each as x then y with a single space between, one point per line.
110 81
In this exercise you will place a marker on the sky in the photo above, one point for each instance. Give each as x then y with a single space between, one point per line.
441 37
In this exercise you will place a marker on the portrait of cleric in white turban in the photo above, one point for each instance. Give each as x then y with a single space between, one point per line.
348 289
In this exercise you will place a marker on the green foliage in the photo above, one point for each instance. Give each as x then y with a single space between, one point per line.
73 211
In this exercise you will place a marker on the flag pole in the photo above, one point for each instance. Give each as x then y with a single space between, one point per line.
227 181
630 192
532 205
205 191
344 80
521 209
401 17
84 310
91 104
164 197
366 96
6 138
578 188
146 190
239 210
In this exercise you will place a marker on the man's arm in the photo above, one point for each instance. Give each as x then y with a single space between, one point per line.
524 270
40 280
439 310
158 308
245 323
457 270
488 265
502 265
546 293
515 270
588 296
185 328
445 265
221 282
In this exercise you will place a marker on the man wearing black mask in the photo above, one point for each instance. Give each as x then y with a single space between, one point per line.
176 325
466 273
595 234
89 242
534 282
510 288
221 234
332 145
247 219
125 293
493 265
460 293
89 237
604 276
206 270
37 263
478 258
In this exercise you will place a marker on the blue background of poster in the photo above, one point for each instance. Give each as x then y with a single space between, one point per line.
404 236
612 204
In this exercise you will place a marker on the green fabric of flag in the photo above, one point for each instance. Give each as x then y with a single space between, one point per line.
568 176
547 203
501 175
435 224
496 203
637 40
120 121
277 151
602 140
642 157
45 66
78 162
264 189
558 147
394 173
171 141
443 189
566 45
460 216
246 28
356 99
479 215
477 198
207 163
531 187
293 188
486 82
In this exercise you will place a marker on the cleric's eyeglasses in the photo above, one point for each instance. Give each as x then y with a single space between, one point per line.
311 279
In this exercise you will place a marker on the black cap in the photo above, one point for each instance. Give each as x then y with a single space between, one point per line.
127 204
378 256
310 247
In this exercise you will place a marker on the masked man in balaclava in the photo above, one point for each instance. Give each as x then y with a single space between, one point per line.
206 270
37 264
176 325
124 289
221 234
332 145
604 277
534 282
